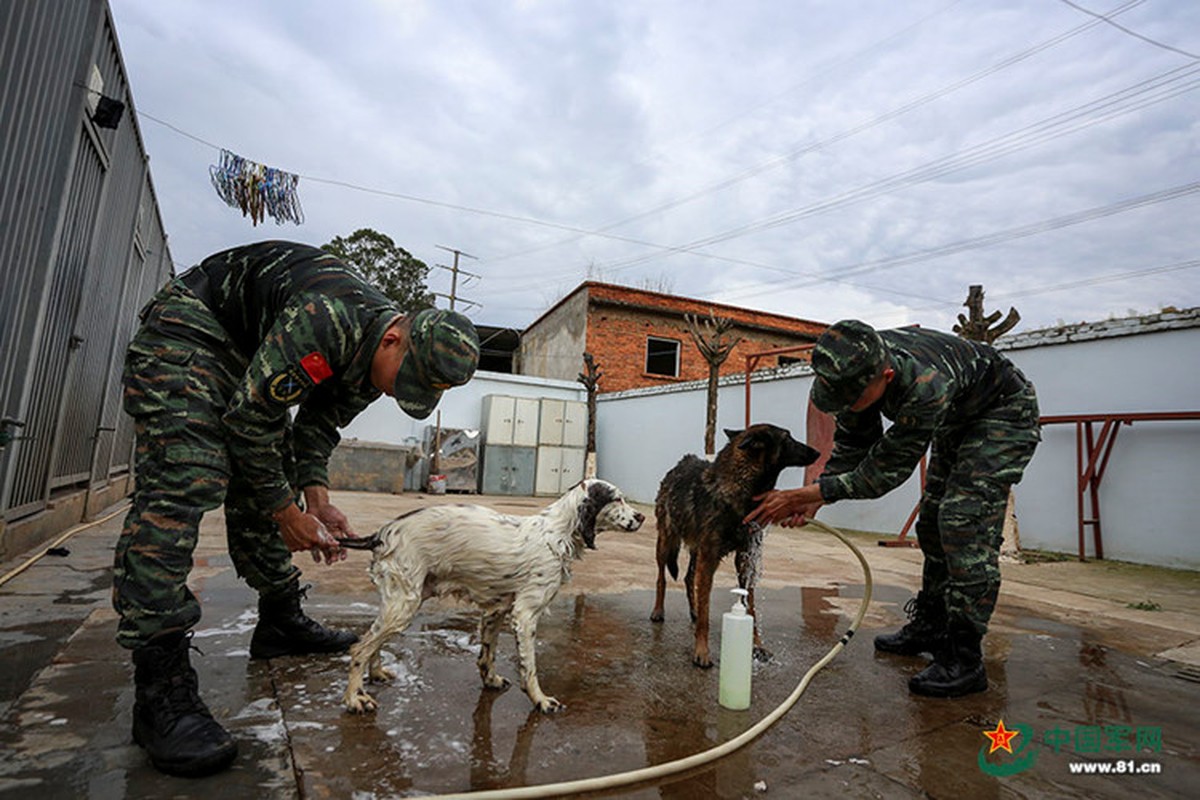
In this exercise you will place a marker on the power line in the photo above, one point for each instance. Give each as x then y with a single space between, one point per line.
604 232
1134 97
1129 99
739 116
454 271
840 136
1132 33
1077 284
840 274
1165 86
1084 282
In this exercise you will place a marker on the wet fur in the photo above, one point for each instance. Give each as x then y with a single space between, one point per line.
701 505
510 567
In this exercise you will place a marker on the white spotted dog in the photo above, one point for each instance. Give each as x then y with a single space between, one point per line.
510 567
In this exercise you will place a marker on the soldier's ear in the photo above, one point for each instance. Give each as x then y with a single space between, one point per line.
396 333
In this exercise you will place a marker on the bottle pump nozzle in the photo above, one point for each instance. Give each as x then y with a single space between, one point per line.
739 600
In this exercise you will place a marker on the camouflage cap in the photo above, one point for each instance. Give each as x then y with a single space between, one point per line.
443 351
845 359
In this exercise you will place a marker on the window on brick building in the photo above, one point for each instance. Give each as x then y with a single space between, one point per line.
662 357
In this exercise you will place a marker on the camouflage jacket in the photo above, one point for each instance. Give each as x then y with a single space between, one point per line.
941 381
309 326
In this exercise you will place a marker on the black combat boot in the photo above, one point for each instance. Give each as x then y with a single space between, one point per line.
927 624
170 721
957 667
283 629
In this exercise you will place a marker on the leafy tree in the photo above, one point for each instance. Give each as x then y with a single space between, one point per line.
386 266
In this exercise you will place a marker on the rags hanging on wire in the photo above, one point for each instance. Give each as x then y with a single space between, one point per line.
256 189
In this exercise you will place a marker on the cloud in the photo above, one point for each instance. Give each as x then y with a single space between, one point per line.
732 150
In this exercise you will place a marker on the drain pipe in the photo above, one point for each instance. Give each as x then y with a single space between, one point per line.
31 561
658 772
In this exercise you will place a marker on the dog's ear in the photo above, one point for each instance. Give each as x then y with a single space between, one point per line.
732 434
587 524
599 494
755 440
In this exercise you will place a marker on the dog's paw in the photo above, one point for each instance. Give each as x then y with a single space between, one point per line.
702 660
382 674
496 682
360 703
656 615
549 705
762 655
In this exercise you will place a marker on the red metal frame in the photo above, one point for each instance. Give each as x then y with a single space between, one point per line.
1091 460
1092 452
752 362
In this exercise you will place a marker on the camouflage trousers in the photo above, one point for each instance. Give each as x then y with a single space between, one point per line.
961 520
180 371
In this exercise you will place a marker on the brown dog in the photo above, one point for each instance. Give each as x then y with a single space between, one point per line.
702 505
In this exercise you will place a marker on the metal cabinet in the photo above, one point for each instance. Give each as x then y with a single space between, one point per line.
510 420
532 445
558 469
563 423
508 470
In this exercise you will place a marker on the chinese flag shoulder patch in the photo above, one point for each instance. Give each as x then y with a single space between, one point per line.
317 367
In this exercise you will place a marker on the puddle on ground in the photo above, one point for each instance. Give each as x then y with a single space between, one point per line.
634 699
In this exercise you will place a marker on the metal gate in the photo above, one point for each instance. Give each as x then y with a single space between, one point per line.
83 247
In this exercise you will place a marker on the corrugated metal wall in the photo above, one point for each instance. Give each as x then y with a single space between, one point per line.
81 249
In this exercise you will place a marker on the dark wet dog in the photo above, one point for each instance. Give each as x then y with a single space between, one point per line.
702 505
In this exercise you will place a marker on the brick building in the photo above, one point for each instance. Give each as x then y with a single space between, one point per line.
640 338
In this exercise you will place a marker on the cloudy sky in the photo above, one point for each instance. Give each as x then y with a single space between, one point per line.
817 158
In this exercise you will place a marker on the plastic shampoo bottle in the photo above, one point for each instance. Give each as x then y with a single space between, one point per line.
737 653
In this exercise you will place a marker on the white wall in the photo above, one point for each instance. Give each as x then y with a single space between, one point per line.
1149 504
1150 507
642 434
383 421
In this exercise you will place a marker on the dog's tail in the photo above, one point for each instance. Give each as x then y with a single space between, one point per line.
368 543
672 561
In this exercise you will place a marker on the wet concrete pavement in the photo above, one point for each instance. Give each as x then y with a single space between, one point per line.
1071 665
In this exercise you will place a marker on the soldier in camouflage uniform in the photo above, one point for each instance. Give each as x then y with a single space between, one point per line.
224 353
979 415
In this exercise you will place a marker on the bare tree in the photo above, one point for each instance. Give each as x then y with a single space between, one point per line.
979 328
590 380
715 348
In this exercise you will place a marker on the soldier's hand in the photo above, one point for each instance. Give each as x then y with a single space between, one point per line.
302 531
778 505
335 521
316 501
800 518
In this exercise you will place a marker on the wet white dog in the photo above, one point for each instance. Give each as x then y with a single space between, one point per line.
510 567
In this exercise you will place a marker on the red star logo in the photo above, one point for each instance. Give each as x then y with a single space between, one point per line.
1001 738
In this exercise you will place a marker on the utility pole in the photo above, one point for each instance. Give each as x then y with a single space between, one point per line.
453 296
